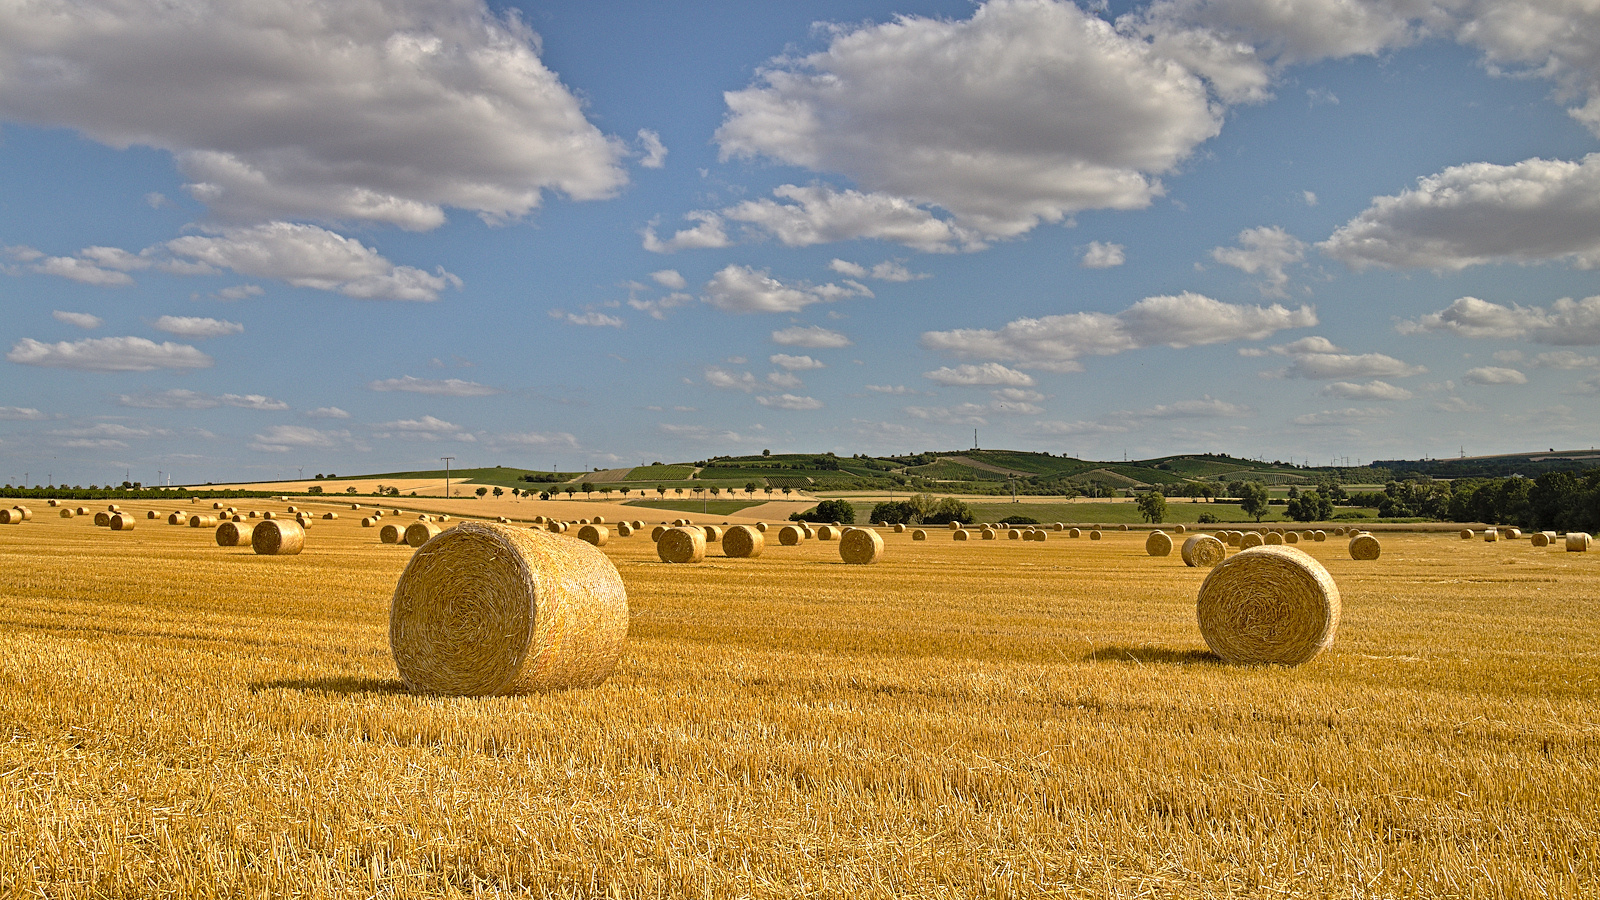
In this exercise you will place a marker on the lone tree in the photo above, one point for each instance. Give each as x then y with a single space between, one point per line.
1253 499
1152 506
481 491
498 492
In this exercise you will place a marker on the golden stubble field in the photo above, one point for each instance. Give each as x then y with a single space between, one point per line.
994 718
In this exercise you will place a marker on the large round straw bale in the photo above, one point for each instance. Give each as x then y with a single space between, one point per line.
1158 544
861 547
419 533
1203 551
1094 535
101 518
1074 532
1491 535
1539 539
113 508
122 522
1511 534
899 528
304 521
1319 536
743 542
827 533
1040 535
368 521
713 533
1577 542
390 534
791 535
151 514
624 529
230 534
278 537
1122 527
682 545
594 534
1364 546
1272 537
355 506
294 509
66 512
486 609
919 534
1268 605
988 534
202 521
23 511
1291 537
1251 539
1234 538
1058 526
961 534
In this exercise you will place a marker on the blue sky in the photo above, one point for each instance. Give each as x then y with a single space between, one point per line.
239 239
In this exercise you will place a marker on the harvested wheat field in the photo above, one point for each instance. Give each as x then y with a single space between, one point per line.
989 718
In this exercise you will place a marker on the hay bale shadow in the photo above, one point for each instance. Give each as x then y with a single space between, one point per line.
1147 654
346 685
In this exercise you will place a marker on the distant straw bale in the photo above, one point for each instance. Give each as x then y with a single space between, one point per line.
657 532
102 519
743 542
791 535
1203 551
1365 547
278 537
682 544
919 535
66 512
1319 536
330 515
861 547
1272 538
368 521
761 527
955 526
713 533
899 528
988 534
419 533
390 534
1251 539
1268 605
1094 535
1074 532
624 529
961 534
1159 543
1577 542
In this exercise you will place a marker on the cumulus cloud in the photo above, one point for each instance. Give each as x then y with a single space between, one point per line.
1027 112
1566 322
426 428
307 256
1319 358
1372 390
653 153
592 319
284 438
1055 343
669 279
888 270
1566 359
1103 256
819 214
1533 211
813 336
737 288
708 235
113 354
182 398
20 414
795 363
197 327
985 374
447 387
1348 416
327 412
81 320
789 401
657 307
787 380
1495 375
82 271
1265 251
380 112
723 379
889 389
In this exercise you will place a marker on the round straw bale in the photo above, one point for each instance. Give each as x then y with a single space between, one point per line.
1234 538
122 522
961 534
624 529
657 532
151 514
861 547
1467 535
216 505
1364 546
278 537
1291 537
1074 532
761 527
355 506
594 534
1577 542
330 515
1040 535
1159 543
66 512
919 535
811 533
743 542
1490 535
1058 527
390 534
955 526
101 518
713 533
899 528
294 509
1539 539
1268 605
419 533
12 516
176 518
24 511
82 511
1094 535
1123 527
368 521
53 502
487 609
598 520
791 535
1511 534
1251 539
230 534
1272 537
827 533
682 545
113 508
1319 536
269 514
1203 551
988 534
304 521
1014 534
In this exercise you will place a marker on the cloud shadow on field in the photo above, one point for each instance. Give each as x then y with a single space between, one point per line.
344 685
1148 654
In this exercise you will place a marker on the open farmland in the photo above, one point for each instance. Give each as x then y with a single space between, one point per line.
990 718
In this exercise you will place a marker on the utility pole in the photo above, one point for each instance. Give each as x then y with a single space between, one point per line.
447 475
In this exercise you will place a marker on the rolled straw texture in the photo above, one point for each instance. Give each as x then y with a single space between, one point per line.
1291 537
1539 539
82 510
657 532
1511 534
66 513
713 533
101 518
791 535
761 527
487 609
1014 534
1251 539
682 545
1319 535
1273 538
231 534
1202 551
1467 535
25 511
1094 535
989 534
278 537
177 518
861 547
811 533
1180 528
121 522
368 521
827 533
961 534
419 533
1268 605
390 534
743 542
1366 547
1577 542
955 526
1158 544
1074 532
624 529
597 535
152 514
10 517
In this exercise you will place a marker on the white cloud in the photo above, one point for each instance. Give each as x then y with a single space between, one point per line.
986 374
1459 405
819 214
1533 211
592 319
669 279
426 428
722 379
1205 408
1028 111
1266 251
1349 416
283 438
1309 197
1566 322
307 256
383 112
814 336
889 389
114 354
82 320
327 412
239 292
888 270
1547 40
701 434
197 327
1495 375
448 387
795 363
708 235
1017 395
1103 256
1319 358
960 414
1054 343
1372 390
658 307
786 380
182 398
1566 359
789 401
652 151
737 288
533 439
20 414
81 271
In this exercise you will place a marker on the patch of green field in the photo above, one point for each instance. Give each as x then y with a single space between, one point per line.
661 473
721 507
